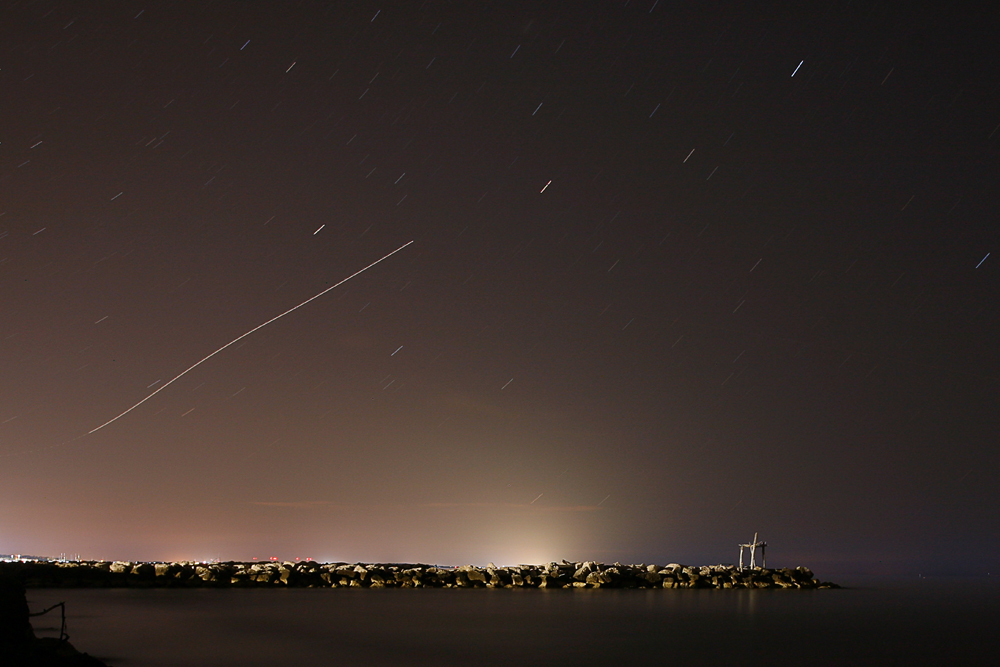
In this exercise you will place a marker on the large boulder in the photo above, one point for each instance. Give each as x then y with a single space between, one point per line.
651 577
598 579
121 567
475 574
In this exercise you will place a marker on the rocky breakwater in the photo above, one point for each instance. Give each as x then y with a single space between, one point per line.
311 574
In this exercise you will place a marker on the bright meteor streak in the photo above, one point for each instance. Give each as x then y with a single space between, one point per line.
236 340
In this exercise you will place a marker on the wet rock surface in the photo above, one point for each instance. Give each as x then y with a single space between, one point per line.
19 647
563 574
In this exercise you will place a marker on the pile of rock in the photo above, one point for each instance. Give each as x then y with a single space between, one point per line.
563 574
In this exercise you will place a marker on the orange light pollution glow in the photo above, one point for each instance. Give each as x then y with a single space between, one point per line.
670 284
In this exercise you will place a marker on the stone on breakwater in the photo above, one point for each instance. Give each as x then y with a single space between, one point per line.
586 574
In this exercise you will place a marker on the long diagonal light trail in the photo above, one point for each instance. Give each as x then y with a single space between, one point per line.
236 340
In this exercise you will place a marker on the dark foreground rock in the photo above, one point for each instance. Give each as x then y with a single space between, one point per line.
18 645
564 574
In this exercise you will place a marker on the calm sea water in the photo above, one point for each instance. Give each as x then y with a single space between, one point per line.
921 622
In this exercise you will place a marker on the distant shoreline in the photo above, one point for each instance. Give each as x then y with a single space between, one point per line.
311 574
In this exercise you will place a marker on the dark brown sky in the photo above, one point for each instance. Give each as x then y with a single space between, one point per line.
746 301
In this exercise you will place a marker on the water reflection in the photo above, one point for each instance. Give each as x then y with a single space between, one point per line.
150 628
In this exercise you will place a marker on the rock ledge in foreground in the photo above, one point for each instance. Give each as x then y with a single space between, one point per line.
19 647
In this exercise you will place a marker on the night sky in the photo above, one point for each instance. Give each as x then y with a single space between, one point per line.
680 272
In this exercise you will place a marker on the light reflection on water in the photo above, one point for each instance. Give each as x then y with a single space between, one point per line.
913 623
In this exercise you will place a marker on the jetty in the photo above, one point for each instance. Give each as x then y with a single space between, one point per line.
312 574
